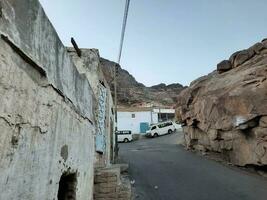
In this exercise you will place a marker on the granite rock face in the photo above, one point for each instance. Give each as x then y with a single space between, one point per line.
226 111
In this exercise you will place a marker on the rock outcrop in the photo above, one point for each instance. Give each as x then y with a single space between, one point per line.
226 111
133 93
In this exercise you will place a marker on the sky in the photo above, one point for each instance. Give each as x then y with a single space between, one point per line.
166 41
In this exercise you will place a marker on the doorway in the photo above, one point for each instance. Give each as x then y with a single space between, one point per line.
67 187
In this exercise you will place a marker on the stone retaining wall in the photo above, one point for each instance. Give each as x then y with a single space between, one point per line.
110 185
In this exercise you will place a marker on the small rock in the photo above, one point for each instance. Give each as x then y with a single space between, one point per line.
262 173
263 121
132 182
156 187
204 153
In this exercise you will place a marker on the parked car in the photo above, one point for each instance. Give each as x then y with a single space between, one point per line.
161 129
124 136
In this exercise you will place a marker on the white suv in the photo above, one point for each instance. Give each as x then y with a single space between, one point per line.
124 136
161 129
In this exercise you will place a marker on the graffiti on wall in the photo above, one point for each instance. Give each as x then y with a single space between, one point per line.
101 114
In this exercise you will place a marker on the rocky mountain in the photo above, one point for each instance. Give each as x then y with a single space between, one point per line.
226 111
133 93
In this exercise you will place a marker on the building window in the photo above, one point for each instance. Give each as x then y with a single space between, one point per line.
133 115
165 116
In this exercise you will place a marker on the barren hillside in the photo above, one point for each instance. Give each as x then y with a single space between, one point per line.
133 93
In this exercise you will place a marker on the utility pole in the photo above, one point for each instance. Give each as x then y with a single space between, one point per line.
115 111
127 4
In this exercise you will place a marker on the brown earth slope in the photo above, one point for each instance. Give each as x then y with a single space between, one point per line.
133 93
226 111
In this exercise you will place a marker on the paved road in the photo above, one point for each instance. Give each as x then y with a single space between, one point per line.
183 175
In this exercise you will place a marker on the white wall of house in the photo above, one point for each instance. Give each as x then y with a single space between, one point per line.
155 118
131 120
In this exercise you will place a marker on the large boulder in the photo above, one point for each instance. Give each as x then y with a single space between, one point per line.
243 56
224 66
227 112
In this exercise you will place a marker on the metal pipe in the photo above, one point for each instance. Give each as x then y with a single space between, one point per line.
77 49
116 116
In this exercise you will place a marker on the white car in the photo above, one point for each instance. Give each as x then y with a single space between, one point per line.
161 129
124 136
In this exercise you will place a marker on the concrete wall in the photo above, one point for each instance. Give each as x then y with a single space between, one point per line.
89 65
46 112
25 24
126 122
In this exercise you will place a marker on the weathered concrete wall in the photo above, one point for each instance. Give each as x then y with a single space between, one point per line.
46 112
89 64
42 136
26 26
108 182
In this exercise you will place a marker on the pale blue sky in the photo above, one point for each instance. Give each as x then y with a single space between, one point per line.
166 40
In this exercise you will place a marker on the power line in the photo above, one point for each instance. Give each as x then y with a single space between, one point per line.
123 29
127 4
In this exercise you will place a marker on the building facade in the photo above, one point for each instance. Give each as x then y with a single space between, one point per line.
138 119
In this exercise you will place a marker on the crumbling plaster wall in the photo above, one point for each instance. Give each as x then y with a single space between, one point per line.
89 64
25 24
46 112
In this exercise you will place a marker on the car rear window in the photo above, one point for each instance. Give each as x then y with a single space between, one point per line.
165 124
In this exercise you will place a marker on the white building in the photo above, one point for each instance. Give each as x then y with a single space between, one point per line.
138 119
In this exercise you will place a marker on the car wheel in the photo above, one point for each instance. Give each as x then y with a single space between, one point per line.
126 140
155 135
169 131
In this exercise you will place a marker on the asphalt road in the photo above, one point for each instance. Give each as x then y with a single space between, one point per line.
163 170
